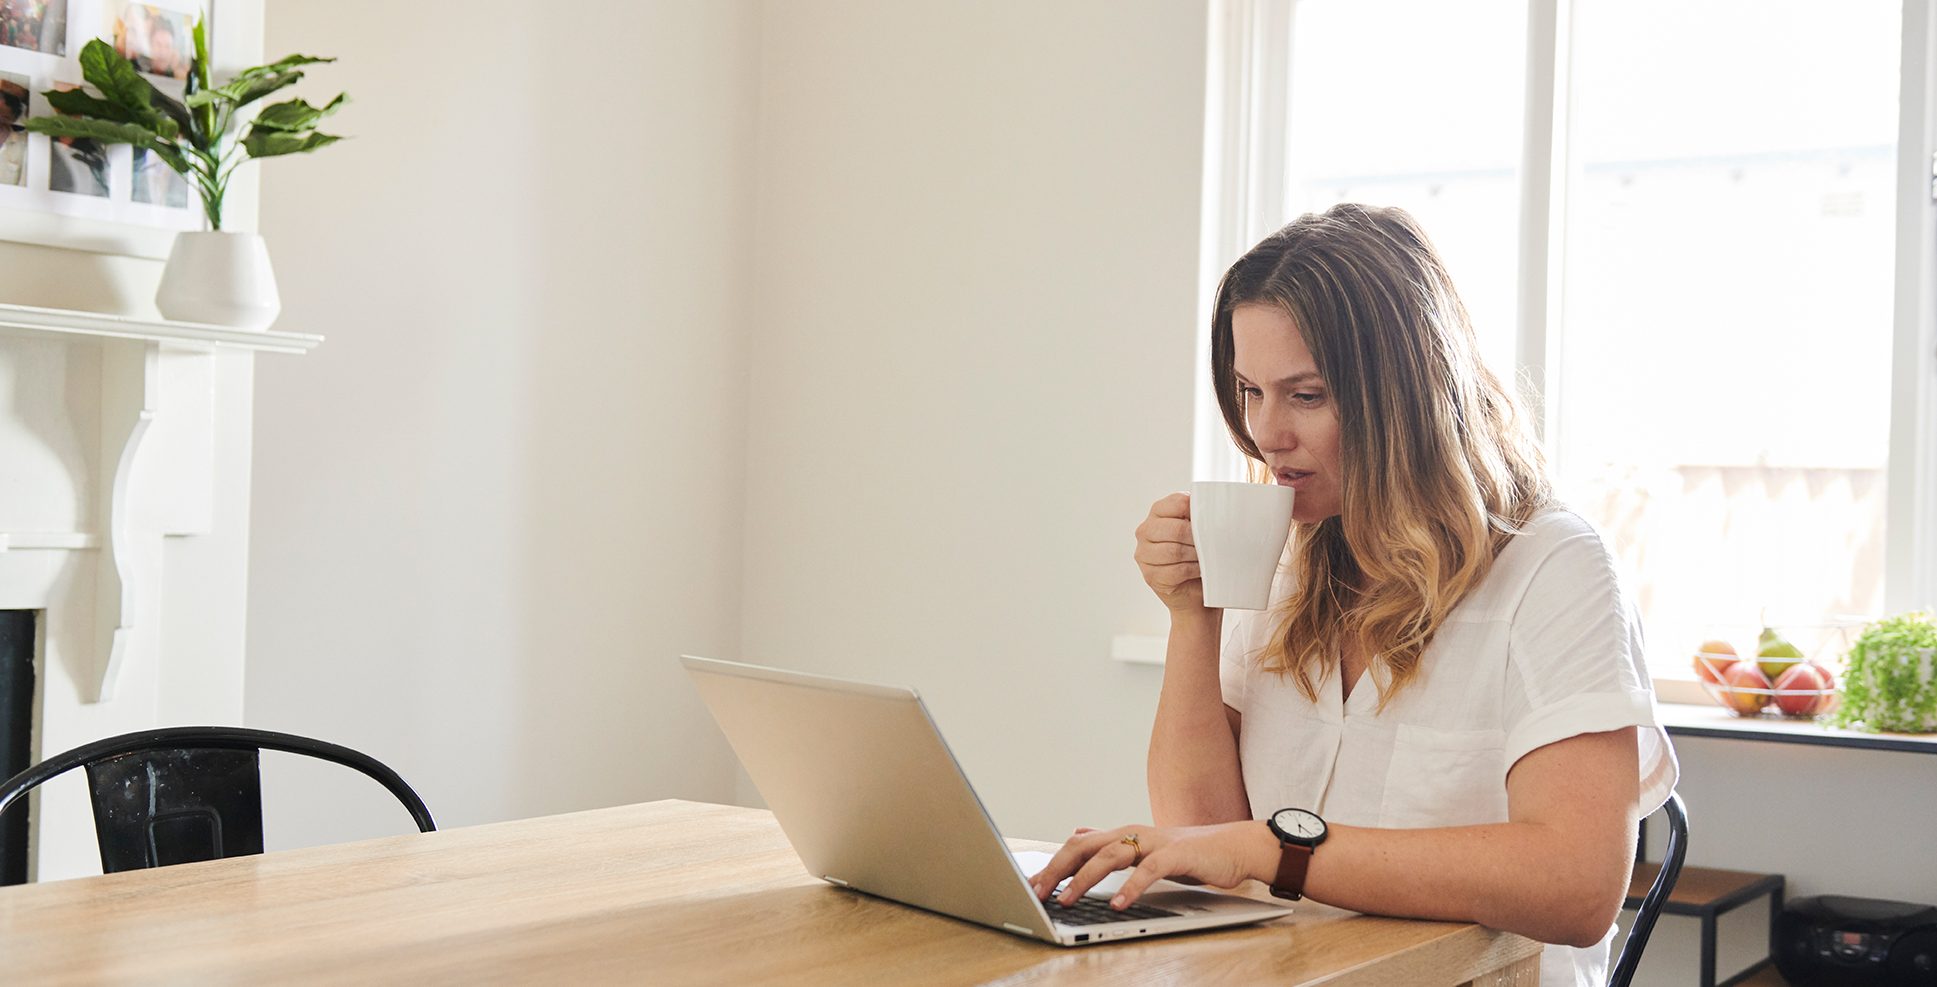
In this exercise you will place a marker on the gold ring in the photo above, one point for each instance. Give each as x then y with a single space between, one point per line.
1131 840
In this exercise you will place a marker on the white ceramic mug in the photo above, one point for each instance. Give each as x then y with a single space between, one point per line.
1240 530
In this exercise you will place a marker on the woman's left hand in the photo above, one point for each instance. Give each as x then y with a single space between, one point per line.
1224 855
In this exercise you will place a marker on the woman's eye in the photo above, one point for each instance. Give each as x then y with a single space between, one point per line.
1307 398
1251 393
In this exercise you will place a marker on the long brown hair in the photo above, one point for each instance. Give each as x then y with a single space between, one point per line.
1439 469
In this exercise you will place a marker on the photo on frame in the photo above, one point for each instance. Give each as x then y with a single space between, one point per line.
155 38
16 97
76 165
36 25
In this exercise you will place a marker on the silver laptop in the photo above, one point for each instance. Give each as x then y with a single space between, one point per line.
868 793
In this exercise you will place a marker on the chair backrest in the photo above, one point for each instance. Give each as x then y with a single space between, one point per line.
180 794
1644 917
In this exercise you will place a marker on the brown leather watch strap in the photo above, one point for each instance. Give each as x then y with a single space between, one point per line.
1290 882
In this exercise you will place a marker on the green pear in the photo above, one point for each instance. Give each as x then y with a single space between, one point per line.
1774 654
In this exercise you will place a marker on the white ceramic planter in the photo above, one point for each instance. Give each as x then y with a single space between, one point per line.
220 278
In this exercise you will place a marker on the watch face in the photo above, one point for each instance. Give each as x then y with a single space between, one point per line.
1299 823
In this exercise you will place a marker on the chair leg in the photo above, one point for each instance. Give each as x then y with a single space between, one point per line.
1708 950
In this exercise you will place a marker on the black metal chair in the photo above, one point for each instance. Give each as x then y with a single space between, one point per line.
1644 917
180 794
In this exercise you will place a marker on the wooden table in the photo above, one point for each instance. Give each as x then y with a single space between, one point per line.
664 892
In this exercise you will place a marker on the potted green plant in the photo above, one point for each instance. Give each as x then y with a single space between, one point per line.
1891 684
214 275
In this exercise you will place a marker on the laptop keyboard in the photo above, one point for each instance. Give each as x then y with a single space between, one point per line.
1096 911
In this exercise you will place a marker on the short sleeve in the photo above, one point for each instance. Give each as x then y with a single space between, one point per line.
1237 655
1575 660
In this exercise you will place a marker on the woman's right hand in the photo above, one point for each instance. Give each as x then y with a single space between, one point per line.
1167 554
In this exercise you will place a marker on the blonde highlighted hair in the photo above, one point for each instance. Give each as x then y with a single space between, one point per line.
1439 468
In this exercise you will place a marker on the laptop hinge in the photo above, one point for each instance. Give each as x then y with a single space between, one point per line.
834 880
1012 927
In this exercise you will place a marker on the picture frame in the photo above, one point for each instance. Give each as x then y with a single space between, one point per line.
113 199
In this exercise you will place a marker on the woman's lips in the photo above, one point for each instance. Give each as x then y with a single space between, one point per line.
1295 479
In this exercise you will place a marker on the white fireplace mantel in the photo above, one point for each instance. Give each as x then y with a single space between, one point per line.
145 367
63 322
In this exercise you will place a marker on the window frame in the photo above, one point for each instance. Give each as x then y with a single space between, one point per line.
1245 192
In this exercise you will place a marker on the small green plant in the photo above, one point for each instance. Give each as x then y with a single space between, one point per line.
194 135
1889 683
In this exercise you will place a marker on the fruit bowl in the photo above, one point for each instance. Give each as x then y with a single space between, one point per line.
1751 697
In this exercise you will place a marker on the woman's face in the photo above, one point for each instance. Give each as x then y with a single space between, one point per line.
1288 409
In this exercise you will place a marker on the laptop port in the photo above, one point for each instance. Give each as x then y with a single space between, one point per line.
1082 937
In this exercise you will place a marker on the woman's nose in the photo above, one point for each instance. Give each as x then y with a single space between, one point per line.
1273 430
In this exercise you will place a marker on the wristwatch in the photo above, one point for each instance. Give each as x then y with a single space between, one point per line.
1299 832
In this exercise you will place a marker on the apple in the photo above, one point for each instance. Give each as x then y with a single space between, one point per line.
1737 683
1712 659
1812 682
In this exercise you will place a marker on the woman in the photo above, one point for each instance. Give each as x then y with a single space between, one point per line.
1493 764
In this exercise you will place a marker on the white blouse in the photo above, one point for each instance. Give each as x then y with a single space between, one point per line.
1545 648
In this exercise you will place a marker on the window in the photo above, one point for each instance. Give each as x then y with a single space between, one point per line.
1677 224
1361 130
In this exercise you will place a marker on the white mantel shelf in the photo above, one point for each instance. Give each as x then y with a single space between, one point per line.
149 370
56 321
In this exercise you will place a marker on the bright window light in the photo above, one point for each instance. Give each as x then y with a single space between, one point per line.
1427 119
1723 396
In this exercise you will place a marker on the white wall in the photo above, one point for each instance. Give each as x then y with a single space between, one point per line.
503 496
971 369
512 483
